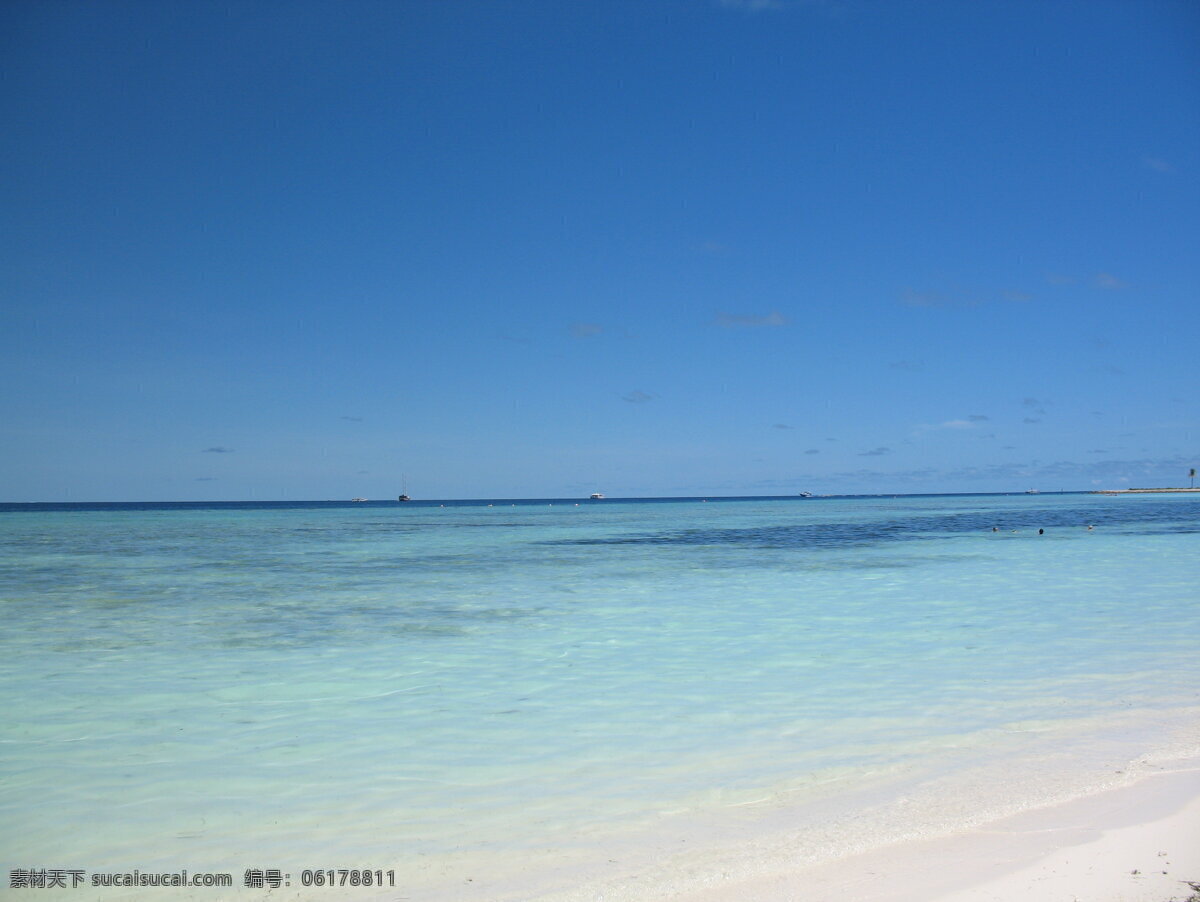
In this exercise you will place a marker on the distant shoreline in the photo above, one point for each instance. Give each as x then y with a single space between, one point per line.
1140 491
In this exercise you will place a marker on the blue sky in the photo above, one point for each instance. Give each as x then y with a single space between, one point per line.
525 249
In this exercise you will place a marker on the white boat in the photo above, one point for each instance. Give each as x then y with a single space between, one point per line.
804 494
357 500
1032 492
596 496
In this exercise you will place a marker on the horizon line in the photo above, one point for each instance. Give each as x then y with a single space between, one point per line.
572 498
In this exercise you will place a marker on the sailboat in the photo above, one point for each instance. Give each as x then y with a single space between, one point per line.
404 490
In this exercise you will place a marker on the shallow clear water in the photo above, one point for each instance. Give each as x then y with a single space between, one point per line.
222 687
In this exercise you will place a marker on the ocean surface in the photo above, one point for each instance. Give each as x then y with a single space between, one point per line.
496 699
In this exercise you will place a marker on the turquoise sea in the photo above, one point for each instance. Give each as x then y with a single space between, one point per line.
499 699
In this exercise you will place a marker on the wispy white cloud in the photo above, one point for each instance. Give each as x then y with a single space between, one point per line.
970 422
1109 282
751 6
956 297
739 321
1104 280
1157 164
914 298
1018 475
585 330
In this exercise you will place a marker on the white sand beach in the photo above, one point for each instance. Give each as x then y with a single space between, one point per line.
1131 834
1138 843
1149 858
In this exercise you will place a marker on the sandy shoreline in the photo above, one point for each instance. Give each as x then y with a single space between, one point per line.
1071 832
1135 841
1138 843
1150 859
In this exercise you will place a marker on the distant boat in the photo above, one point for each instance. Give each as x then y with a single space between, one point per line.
804 494
1032 492
403 498
404 489
358 500
596 496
